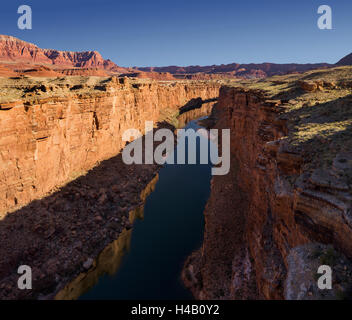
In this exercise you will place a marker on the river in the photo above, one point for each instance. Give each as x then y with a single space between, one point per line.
157 247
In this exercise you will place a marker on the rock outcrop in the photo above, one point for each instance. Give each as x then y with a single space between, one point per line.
311 86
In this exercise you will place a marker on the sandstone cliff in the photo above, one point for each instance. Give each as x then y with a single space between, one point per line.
55 134
286 207
52 131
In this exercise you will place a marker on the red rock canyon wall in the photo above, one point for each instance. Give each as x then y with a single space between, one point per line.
260 225
46 144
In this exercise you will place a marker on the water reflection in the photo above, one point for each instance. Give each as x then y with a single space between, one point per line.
203 111
172 228
108 262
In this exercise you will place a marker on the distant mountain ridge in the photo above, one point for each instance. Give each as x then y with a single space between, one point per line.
257 70
345 61
240 70
19 51
16 53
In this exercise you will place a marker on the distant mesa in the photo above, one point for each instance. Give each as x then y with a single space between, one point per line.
13 50
235 70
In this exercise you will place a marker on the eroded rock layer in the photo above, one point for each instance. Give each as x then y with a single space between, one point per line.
285 208
57 131
19 51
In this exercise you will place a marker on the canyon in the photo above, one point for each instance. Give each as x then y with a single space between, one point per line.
283 210
55 137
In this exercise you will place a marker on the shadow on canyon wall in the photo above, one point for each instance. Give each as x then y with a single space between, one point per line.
59 235
195 104
327 127
56 235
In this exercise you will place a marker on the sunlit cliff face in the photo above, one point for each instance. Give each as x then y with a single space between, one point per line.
60 129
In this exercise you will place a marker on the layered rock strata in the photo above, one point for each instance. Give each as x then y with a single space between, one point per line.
64 235
19 51
286 206
77 233
54 132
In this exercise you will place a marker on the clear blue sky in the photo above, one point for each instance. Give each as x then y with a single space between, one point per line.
187 32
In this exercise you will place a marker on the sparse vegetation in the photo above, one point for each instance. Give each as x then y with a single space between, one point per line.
170 116
320 121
